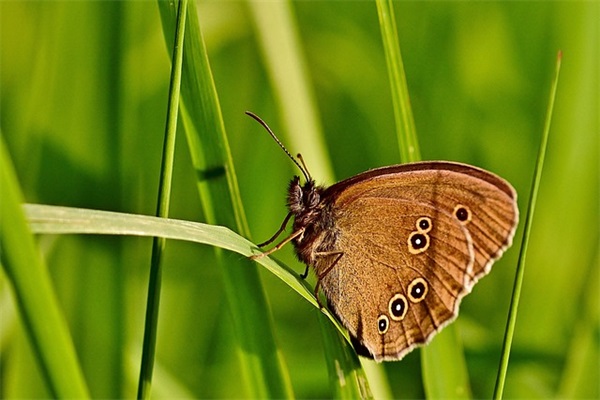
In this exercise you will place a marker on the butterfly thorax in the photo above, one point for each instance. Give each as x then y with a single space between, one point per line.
312 214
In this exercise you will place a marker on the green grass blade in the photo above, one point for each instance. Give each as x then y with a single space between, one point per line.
65 220
452 380
277 33
444 367
44 219
286 66
405 124
162 210
514 304
262 365
32 287
346 375
379 382
579 375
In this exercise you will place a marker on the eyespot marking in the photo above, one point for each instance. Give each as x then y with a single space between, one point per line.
383 324
462 214
424 224
418 242
417 290
398 307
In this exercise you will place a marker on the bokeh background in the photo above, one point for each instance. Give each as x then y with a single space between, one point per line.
83 101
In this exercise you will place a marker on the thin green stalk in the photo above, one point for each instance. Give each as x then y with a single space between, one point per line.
405 124
164 194
516 294
38 306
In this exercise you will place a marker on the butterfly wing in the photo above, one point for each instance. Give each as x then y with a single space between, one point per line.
414 239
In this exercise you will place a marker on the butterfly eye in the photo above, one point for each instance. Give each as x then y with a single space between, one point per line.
462 213
313 198
383 324
398 307
417 290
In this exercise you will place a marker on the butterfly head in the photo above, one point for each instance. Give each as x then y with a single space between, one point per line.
306 203
303 199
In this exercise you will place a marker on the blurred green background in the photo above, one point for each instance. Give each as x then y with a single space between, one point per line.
83 104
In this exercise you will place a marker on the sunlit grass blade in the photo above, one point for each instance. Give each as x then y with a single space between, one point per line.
285 63
45 219
36 300
162 209
537 177
262 365
405 124
379 382
452 380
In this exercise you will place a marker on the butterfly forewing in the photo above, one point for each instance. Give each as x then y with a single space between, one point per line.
486 201
430 231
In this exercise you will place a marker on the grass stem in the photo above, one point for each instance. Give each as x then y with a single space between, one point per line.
164 192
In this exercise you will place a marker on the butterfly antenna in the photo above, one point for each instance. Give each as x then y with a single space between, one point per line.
304 167
264 124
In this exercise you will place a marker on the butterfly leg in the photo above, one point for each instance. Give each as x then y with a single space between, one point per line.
305 273
281 229
279 245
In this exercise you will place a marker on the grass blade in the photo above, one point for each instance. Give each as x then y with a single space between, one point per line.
346 375
451 381
286 66
164 196
579 374
405 124
514 304
278 39
264 370
32 287
44 219
444 367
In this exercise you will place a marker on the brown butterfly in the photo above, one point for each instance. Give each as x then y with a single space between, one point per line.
395 249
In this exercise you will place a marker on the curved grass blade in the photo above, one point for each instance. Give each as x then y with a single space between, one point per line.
44 219
38 306
514 303
452 380
162 209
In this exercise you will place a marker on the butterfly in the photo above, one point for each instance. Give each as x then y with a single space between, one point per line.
395 249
